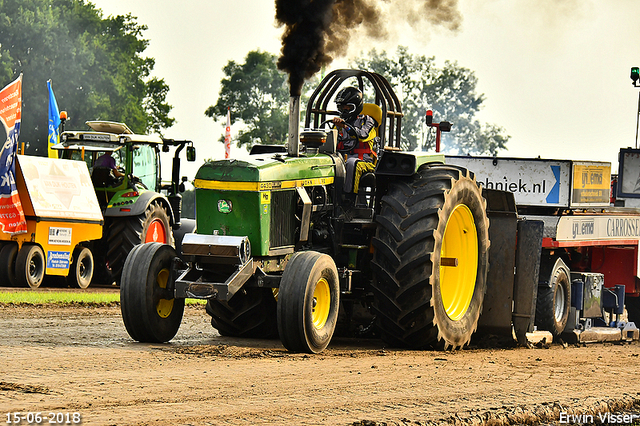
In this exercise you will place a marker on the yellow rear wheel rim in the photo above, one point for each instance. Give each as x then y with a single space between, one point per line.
321 304
164 306
457 283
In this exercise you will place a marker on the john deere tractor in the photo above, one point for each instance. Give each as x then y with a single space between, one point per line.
137 206
279 253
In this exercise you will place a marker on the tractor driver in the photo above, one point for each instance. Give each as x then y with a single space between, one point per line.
353 127
108 162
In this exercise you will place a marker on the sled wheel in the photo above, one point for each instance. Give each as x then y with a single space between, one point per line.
8 254
633 309
81 272
554 298
30 266
124 233
431 259
308 302
148 316
248 314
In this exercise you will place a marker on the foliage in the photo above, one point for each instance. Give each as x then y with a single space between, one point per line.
449 91
189 204
256 94
95 64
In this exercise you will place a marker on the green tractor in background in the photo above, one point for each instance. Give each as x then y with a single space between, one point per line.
277 253
137 206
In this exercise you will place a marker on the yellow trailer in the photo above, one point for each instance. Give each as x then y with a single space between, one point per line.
63 217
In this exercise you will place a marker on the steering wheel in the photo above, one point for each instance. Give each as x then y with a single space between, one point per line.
114 181
325 122
332 125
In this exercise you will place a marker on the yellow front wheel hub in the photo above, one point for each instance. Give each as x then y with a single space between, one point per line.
459 262
164 306
321 304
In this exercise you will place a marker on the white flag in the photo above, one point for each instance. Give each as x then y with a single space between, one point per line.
227 135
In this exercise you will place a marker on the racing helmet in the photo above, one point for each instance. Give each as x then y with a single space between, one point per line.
349 102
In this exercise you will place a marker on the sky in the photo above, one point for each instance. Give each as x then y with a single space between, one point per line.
555 73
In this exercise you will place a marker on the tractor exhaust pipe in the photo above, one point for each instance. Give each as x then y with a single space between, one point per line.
294 126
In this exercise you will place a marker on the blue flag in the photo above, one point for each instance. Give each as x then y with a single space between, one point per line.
54 123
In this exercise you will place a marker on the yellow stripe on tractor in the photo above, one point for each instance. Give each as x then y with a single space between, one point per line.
260 186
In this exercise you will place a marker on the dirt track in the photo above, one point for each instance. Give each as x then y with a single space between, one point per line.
80 359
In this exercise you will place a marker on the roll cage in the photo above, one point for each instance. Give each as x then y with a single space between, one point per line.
385 98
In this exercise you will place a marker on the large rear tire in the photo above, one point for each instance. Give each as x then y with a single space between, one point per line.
554 297
431 259
147 316
251 314
308 302
30 266
8 255
125 233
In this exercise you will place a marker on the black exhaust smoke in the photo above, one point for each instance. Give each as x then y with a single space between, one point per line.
306 22
316 31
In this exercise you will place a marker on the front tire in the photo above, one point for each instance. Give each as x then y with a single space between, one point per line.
30 266
554 297
308 301
431 259
147 315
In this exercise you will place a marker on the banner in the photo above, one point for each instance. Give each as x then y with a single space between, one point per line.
54 123
12 218
227 135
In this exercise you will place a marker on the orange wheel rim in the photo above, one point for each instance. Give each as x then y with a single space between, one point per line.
156 232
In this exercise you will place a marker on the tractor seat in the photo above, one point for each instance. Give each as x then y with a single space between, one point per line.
375 112
103 177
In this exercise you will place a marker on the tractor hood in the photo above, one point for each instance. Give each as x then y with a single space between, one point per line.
273 170
258 198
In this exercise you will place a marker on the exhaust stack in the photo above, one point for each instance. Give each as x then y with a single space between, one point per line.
294 126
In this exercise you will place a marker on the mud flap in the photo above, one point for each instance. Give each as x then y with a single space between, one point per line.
527 274
503 220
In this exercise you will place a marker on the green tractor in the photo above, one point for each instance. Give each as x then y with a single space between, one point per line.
131 194
277 253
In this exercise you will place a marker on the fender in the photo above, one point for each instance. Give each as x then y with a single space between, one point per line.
547 264
395 163
140 206
186 226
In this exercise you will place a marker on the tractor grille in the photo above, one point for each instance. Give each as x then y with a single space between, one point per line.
283 222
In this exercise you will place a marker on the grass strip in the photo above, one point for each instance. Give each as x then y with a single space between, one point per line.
79 297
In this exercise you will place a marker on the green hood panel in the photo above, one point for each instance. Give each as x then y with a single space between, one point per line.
267 168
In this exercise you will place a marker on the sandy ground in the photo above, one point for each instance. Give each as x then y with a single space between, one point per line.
81 360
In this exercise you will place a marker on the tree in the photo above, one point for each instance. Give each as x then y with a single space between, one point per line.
256 94
449 91
95 64
189 204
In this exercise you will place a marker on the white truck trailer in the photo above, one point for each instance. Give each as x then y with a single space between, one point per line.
586 231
